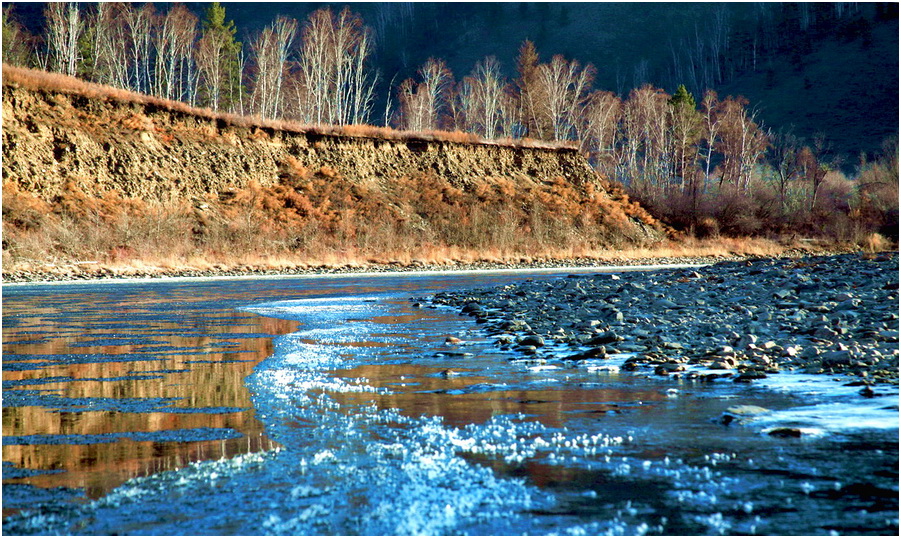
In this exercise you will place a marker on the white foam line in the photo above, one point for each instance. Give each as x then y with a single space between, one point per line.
374 274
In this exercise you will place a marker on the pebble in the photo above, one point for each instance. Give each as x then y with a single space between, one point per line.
81 271
832 314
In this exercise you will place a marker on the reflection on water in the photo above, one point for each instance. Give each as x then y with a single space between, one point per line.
466 397
89 361
88 366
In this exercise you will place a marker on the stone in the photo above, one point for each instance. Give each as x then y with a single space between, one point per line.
471 307
665 304
785 433
747 377
783 294
532 340
825 333
668 368
608 337
837 359
593 353
726 364
740 414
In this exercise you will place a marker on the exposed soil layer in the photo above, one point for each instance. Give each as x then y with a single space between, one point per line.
148 151
149 181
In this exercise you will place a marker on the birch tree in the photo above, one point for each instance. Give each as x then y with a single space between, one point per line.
109 45
562 86
64 27
599 129
482 99
336 84
741 142
646 161
711 130
270 51
421 103
139 22
173 44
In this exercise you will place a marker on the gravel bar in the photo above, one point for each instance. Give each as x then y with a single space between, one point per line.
732 320
81 271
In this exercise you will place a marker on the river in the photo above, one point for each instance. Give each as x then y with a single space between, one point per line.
334 405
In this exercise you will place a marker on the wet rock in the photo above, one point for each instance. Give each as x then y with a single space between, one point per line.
532 340
785 433
740 414
599 352
747 377
605 338
669 368
725 364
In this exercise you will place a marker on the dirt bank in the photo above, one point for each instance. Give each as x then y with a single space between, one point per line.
93 174
147 150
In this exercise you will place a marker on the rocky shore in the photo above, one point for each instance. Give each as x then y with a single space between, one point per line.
77 272
732 320
68 272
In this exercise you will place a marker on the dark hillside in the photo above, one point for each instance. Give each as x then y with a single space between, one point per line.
845 86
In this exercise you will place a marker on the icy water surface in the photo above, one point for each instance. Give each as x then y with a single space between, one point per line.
326 406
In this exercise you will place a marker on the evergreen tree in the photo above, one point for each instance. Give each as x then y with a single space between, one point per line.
218 59
686 131
683 98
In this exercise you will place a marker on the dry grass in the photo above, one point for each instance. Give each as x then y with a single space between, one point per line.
312 220
318 217
42 80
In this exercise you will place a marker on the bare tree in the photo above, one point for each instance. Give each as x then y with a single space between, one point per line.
646 159
109 45
563 86
336 84
784 157
270 51
17 42
482 99
421 103
711 130
741 142
64 27
599 129
173 43
140 23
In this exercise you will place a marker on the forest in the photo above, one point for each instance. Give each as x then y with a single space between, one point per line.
703 163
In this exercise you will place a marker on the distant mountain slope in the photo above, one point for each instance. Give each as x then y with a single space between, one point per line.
848 90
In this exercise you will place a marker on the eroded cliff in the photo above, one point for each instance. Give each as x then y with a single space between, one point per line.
96 174
146 151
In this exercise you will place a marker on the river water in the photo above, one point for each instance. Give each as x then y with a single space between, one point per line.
325 405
